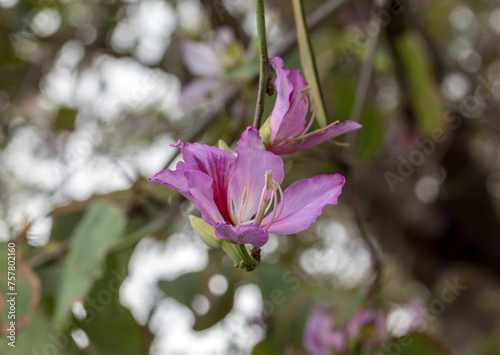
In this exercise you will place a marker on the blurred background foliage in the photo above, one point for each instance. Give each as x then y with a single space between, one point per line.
107 263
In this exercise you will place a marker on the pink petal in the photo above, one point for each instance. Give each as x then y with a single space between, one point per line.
318 327
293 123
315 138
251 165
245 235
201 59
211 92
284 88
303 202
197 93
195 186
218 165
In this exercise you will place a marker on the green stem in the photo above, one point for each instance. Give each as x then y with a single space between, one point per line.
228 248
245 255
264 63
240 256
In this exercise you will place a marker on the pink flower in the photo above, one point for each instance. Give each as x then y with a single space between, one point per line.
210 61
287 124
365 319
319 337
240 195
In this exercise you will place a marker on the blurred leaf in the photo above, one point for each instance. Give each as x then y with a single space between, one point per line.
371 137
183 288
424 92
63 225
271 284
413 344
26 289
186 286
100 226
308 62
65 120
111 328
37 338
113 331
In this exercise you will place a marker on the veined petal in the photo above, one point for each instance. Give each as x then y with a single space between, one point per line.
201 59
218 165
195 186
284 88
245 235
320 136
248 178
303 202
294 121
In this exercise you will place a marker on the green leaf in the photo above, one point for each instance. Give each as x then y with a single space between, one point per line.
424 92
184 288
38 338
413 344
100 226
308 62
371 137
26 292
111 328
63 225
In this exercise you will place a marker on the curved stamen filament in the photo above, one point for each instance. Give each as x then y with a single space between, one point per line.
239 216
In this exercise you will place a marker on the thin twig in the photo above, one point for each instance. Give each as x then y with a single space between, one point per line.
356 115
362 88
264 76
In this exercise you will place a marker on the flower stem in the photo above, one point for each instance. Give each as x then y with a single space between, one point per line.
240 256
264 74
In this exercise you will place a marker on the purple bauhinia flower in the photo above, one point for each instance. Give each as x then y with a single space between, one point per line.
240 195
319 337
288 125
210 61
365 319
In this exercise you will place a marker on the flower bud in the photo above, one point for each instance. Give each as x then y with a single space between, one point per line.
265 132
223 145
205 231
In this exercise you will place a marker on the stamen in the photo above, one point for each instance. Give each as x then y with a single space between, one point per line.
310 121
259 215
240 212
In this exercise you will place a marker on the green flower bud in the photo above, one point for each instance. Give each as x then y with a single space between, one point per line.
265 132
223 145
205 231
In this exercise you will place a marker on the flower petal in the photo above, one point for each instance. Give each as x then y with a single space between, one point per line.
201 59
245 235
252 162
320 136
196 93
318 328
210 92
218 165
284 88
195 186
294 121
303 202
